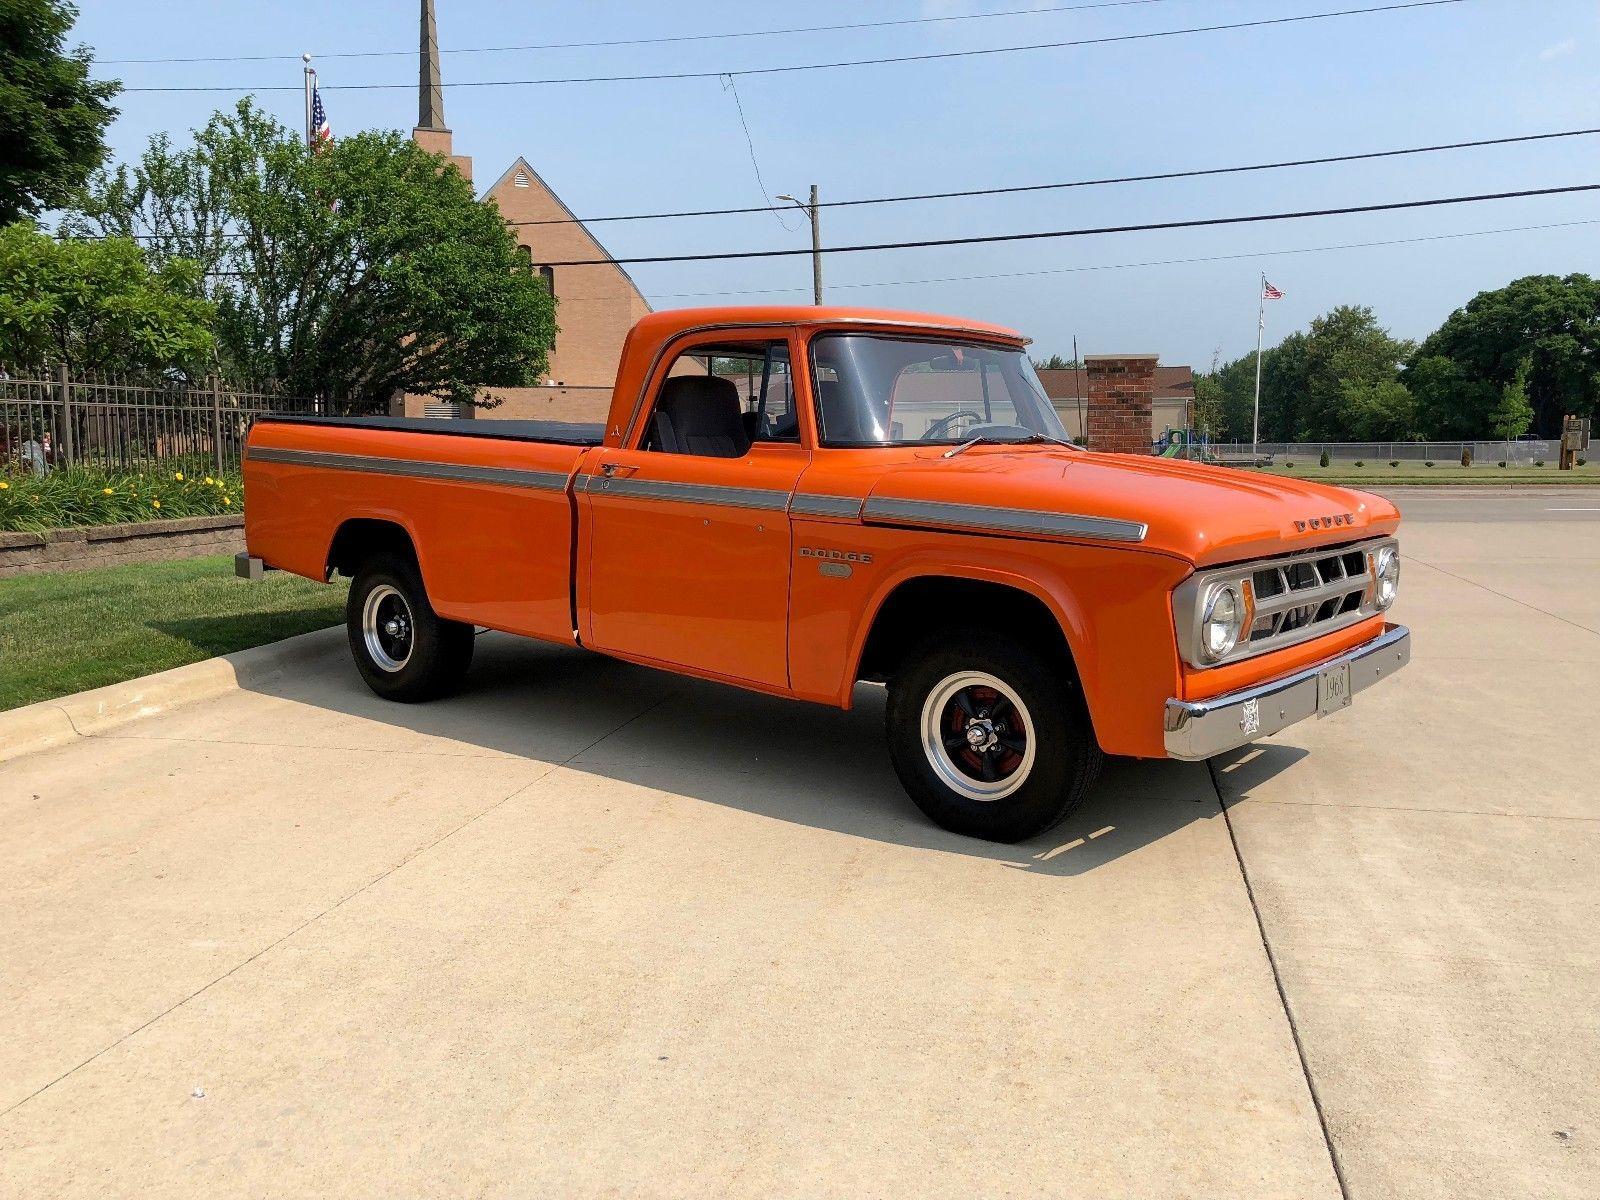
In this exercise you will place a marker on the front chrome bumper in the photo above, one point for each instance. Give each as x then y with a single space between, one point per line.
1197 729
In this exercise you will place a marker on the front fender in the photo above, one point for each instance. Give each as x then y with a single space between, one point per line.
1111 603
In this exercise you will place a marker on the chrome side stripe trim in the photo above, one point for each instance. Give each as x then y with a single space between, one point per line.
1008 520
689 493
824 506
544 481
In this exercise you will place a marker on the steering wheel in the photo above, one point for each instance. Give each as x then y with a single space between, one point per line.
938 427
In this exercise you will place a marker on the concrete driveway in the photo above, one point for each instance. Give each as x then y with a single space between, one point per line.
594 930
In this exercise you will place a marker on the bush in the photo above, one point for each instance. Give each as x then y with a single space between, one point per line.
1501 463
1288 464
1466 456
1582 462
1394 462
1324 460
94 496
1359 463
1427 462
1538 462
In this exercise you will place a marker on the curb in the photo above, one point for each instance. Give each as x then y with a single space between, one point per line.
52 723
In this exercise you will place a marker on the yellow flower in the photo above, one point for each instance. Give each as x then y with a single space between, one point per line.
209 479
228 500
4 486
178 475
155 504
105 491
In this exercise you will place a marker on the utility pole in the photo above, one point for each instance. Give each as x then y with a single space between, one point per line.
816 249
812 211
310 74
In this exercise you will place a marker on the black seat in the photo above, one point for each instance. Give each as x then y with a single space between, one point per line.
699 414
839 416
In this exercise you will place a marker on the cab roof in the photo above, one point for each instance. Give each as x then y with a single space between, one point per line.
667 322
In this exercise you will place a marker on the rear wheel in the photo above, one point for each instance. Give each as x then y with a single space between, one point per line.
403 649
989 737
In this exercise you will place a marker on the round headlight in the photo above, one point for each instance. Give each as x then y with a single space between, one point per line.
1219 629
1387 572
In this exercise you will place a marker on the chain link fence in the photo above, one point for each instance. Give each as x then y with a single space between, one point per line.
1516 452
57 418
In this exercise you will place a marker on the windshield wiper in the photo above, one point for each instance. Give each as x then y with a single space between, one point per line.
984 439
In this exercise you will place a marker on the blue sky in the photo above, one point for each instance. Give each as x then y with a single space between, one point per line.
1484 68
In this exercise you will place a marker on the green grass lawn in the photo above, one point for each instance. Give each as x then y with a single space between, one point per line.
1445 474
69 631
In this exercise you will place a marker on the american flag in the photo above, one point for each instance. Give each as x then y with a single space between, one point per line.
1268 292
321 131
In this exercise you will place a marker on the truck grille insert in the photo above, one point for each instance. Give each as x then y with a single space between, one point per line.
1294 596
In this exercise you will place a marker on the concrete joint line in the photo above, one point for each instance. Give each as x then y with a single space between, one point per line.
1493 592
1283 996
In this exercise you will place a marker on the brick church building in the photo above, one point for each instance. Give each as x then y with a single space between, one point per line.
596 305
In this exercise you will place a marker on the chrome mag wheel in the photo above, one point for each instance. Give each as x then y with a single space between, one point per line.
978 735
387 628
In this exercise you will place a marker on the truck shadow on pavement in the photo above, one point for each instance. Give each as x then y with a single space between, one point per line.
801 763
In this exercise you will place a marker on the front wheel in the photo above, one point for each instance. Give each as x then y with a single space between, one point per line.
403 649
989 737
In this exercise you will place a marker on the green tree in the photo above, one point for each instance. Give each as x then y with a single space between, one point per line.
1513 413
1379 410
1348 353
97 304
52 115
1550 322
364 269
1450 402
1208 413
1056 363
1329 383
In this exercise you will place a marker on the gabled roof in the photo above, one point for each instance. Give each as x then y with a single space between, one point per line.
505 181
1171 383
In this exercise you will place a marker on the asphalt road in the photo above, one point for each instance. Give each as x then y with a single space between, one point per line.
594 930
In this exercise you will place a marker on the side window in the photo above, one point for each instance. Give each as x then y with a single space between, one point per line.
718 401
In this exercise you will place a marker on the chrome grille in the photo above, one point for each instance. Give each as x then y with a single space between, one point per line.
1293 596
1290 598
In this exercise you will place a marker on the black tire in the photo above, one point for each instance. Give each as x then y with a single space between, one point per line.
949 677
423 656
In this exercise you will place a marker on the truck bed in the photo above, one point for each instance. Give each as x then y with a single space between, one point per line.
487 505
559 433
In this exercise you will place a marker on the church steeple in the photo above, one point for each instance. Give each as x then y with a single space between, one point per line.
431 133
430 87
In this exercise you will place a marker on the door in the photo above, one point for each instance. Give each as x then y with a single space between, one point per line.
689 541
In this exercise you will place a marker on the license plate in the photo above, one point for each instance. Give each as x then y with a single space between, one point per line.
1333 689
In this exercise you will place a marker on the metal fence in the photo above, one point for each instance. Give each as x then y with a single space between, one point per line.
1526 450
59 418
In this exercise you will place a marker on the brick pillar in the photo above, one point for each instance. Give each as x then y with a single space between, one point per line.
1120 390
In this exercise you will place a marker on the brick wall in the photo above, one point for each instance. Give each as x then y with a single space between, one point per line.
113 545
1119 393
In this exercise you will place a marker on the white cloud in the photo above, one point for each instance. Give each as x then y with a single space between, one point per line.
1560 50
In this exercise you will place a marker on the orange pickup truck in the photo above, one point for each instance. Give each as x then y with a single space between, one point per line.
796 500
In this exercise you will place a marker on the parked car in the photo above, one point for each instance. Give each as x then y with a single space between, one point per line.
796 500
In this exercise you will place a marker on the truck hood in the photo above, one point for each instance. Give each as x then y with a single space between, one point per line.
1203 514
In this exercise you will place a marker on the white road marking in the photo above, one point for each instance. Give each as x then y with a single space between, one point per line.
1572 510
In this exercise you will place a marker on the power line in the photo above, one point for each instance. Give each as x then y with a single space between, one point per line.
1082 183
986 239
1189 173
835 65
1162 262
652 41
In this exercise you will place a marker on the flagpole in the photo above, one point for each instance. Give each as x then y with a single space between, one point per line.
1261 328
310 79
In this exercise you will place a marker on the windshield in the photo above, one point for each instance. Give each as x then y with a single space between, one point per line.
888 391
